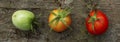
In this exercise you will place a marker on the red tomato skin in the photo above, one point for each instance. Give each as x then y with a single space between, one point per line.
100 25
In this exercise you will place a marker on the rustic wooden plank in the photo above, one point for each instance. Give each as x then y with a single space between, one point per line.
78 14
26 3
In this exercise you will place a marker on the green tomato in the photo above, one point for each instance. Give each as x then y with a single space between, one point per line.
23 19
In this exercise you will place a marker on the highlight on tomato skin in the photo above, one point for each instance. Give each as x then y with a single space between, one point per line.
60 24
97 24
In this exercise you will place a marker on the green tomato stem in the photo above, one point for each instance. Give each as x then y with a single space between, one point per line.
93 19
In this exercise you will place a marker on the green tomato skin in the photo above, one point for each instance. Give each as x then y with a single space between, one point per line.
23 19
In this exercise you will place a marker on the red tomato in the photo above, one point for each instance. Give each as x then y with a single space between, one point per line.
60 27
96 24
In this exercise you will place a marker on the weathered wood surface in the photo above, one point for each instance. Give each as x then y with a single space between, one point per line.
78 32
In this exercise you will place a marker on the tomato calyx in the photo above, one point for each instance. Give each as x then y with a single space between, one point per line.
93 7
60 15
93 19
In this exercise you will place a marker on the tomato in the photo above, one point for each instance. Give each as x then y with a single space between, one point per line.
97 22
58 25
22 19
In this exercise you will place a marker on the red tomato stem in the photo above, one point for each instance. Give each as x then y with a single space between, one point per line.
93 19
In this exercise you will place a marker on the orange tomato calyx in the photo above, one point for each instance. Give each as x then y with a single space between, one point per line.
60 15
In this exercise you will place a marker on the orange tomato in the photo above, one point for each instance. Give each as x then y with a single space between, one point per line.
60 26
